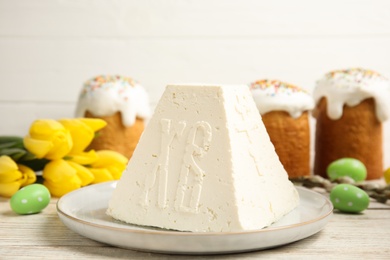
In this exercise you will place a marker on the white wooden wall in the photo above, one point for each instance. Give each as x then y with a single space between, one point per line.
48 48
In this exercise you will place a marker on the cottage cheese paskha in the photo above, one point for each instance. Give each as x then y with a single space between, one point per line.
204 163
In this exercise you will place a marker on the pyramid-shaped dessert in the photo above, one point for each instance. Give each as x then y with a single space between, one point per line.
204 163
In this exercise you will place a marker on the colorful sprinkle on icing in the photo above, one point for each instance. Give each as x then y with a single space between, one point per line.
275 95
107 82
356 75
275 87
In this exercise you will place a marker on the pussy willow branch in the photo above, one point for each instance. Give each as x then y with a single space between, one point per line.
377 191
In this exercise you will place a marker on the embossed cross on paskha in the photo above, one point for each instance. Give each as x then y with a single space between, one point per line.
190 166
159 174
247 127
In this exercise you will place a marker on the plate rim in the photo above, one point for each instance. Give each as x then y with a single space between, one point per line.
145 230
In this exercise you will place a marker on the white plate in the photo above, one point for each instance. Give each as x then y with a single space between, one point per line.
83 211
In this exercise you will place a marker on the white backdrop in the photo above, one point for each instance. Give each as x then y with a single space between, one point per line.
48 48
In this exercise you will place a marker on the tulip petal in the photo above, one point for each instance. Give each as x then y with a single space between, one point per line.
37 147
7 164
58 189
108 158
28 174
116 172
58 171
60 177
109 166
62 145
387 176
9 189
8 172
101 175
11 176
43 129
94 123
83 158
83 173
81 133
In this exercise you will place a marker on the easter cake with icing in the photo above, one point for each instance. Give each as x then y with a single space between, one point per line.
123 104
204 163
284 109
351 105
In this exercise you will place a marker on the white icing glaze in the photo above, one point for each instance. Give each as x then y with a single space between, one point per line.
107 95
352 86
274 95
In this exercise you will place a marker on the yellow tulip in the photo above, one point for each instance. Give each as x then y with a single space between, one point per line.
83 158
58 189
109 166
83 173
9 189
110 158
28 175
9 176
116 171
387 176
94 123
13 176
61 176
48 139
82 131
7 165
101 175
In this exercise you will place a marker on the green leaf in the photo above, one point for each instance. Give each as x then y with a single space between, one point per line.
10 151
17 156
28 157
7 145
11 141
14 153
35 164
6 139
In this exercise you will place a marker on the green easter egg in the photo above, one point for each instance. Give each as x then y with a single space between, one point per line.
30 199
347 167
348 198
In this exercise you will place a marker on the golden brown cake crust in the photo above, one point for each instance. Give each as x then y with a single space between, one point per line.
117 137
357 134
291 138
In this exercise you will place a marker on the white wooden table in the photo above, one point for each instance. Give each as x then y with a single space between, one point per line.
346 236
